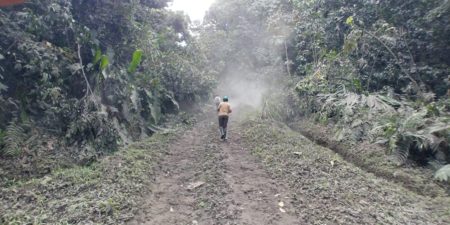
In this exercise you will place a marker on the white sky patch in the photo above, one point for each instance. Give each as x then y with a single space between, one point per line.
196 9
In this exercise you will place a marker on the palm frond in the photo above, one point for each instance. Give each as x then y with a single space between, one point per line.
414 121
427 139
443 174
380 103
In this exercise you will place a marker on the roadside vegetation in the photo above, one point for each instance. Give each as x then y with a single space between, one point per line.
79 79
381 77
105 192
359 72
93 92
335 185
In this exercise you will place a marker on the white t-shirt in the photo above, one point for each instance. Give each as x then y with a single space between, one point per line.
217 100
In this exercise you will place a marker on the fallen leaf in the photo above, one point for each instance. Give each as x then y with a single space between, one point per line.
195 185
282 210
281 204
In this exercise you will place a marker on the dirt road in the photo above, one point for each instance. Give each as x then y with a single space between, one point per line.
206 181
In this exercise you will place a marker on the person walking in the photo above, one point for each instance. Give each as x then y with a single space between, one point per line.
217 101
224 110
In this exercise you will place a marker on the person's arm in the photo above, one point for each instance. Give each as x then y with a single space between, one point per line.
229 109
218 107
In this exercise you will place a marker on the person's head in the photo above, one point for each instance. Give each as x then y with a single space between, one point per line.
225 98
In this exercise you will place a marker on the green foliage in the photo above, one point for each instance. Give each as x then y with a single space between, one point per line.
374 81
420 133
2 86
155 108
357 85
50 81
97 56
312 84
104 62
351 42
94 134
2 138
354 65
135 61
14 139
117 181
382 41
349 21
409 133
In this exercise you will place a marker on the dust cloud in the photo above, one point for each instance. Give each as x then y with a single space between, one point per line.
258 72
243 88
242 91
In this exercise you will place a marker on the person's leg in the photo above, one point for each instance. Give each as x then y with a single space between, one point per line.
221 129
220 126
225 125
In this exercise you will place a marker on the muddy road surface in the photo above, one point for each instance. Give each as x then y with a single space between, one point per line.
206 181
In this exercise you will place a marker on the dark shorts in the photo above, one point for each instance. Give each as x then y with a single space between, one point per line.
223 121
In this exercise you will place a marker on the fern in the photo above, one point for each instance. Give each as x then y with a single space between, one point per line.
413 122
420 133
2 137
14 140
3 87
375 133
443 174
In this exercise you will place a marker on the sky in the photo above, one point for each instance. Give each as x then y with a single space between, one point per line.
194 8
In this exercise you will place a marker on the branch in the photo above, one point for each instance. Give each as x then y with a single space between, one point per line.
396 59
88 86
287 59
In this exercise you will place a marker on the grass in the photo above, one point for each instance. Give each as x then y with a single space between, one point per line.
374 159
324 180
106 192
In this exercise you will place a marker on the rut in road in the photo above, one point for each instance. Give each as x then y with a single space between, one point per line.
206 181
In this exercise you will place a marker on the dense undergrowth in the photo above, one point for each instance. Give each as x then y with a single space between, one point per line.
78 79
323 180
106 192
382 79
374 158
374 71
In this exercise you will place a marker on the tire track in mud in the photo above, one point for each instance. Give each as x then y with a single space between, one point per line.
192 160
258 197
206 181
